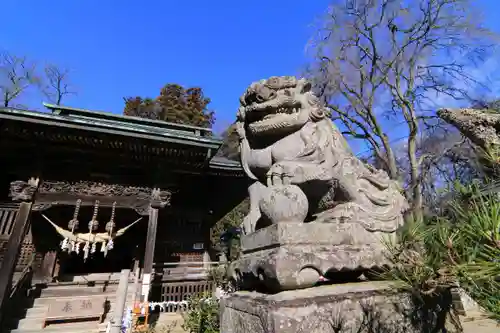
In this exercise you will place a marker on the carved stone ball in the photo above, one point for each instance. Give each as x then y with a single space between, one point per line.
307 277
284 203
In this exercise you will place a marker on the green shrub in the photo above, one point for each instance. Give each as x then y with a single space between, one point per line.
203 314
459 248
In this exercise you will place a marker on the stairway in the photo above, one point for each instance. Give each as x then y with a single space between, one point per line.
474 319
33 313
478 322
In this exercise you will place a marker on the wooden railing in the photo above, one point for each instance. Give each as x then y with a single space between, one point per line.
176 292
179 281
19 293
170 271
24 278
8 212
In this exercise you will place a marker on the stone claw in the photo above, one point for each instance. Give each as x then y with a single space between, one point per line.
240 130
281 174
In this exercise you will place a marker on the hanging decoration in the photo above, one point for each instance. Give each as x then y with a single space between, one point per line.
72 241
66 245
110 226
178 305
93 225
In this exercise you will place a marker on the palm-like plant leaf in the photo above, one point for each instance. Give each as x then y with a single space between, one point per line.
463 246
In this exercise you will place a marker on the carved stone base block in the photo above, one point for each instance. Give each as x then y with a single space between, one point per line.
358 307
290 256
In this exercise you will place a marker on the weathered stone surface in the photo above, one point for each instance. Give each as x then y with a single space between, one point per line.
286 203
361 308
481 127
286 138
288 256
304 172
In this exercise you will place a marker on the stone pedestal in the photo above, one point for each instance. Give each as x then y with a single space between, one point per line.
287 256
358 307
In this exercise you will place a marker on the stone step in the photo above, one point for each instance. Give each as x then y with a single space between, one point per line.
32 318
64 291
30 323
46 300
78 327
37 323
473 316
481 326
36 311
478 321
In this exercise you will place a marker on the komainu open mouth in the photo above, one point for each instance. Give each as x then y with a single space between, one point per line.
270 113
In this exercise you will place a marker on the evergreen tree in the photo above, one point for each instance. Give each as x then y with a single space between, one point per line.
174 104
230 148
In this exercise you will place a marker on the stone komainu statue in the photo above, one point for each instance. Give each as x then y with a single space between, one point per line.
287 139
306 177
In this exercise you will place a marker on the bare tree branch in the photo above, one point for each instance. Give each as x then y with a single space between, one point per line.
377 58
16 76
56 84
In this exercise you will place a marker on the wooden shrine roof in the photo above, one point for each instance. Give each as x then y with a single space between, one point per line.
142 140
74 145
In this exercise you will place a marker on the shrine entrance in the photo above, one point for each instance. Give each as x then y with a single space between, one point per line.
127 249
115 242
91 231
122 256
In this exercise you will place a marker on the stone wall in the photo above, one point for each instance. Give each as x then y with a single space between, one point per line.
353 307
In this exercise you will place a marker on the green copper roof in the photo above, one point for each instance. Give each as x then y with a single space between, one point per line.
104 122
75 112
121 125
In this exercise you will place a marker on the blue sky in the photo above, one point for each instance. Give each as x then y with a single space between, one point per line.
124 48
130 48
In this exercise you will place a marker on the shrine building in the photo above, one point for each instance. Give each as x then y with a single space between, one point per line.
87 194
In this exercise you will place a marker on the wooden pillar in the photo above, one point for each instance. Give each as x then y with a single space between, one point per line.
47 271
21 225
150 245
149 252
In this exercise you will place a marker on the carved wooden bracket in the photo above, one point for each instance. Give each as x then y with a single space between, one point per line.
37 207
24 191
143 211
65 193
159 198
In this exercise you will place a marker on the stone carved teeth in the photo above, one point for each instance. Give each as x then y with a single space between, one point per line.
278 111
286 110
271 116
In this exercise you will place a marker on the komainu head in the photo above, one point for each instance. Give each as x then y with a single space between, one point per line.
278 105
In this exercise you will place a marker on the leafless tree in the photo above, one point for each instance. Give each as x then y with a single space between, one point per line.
56 85
452 159
16 76
380 63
